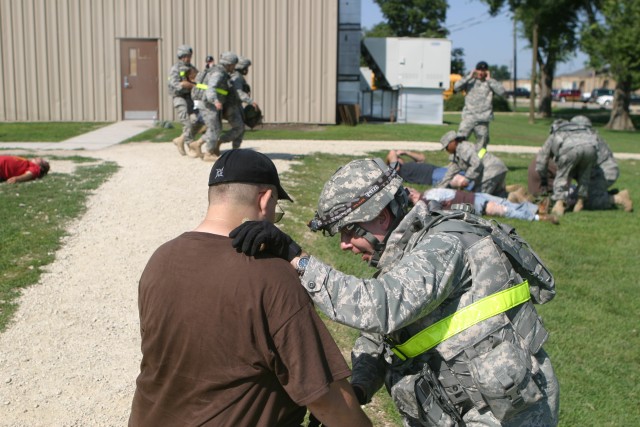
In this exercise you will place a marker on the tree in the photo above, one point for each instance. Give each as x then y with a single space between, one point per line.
415 18
555 24
613 41
500 73
381 29
457 61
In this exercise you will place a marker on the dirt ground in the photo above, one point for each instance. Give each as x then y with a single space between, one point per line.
72 353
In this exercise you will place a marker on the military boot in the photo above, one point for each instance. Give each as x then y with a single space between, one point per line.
558 208
579 205
624 200
543 206
194 148
179 142
209 157
518 196
514 187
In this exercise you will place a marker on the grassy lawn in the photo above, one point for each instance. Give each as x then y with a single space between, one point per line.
593 321
45 132
34 216
506 129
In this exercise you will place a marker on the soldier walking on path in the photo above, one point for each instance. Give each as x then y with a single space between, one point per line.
180 91
478 107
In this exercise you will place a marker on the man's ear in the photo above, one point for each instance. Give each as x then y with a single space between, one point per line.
263 200
385 218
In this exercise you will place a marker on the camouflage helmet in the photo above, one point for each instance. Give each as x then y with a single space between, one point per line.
447 138
243 63
228 58
357 192
557 124
184 50
581 120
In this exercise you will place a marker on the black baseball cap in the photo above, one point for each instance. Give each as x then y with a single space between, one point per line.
482 66
246 166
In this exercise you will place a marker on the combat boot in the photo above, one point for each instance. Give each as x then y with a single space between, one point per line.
519 196
209 157
558 208
179 142
194 148
579 205
514 187
549 218
623 199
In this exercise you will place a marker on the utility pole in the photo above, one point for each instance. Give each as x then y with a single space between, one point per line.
534 67
515 63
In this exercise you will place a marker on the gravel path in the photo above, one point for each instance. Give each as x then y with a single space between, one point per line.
72 353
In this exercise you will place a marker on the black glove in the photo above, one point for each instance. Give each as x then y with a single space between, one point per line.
250 236
313 421
359 392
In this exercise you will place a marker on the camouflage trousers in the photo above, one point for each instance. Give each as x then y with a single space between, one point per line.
233 115
213 121
479 129
543 413
184 110
496 186
578 163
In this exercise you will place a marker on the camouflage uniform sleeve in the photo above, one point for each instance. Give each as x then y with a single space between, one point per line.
466 152
496 87
542 158
452 170
238 85
461 84
412 288
368 364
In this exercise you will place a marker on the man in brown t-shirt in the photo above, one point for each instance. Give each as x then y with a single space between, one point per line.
229 339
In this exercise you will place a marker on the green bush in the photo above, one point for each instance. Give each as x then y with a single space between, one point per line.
454 103
500 104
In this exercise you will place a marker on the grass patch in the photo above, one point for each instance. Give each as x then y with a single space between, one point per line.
506 129
593 321
45 132
34 216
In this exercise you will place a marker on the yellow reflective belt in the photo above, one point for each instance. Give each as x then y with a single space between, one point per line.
202 86
462 319
222 91
482 152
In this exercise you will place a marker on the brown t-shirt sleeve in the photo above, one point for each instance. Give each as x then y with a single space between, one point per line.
308 358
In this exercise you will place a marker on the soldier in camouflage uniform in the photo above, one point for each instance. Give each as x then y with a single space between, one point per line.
604 174
491 373
180 91
216 100
487 171
573 148
243 91
478 107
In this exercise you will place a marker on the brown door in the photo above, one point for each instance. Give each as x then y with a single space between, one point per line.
139 79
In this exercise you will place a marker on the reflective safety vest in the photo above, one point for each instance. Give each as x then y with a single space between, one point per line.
482 152
462 319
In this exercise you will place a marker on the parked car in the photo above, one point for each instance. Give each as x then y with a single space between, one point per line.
520 93
605 100
555 94
596 93
569 95
586 96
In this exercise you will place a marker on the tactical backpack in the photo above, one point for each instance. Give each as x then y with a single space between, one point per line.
252 116
198 91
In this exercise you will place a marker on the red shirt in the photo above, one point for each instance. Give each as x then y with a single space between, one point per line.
11 166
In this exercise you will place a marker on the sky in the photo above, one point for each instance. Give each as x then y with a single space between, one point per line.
483 38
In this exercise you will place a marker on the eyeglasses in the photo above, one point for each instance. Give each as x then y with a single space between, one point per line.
279 213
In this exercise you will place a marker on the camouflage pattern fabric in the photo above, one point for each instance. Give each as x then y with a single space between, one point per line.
178 73
606 162
423 277
488 173
181 98
574 150
478 108
242 87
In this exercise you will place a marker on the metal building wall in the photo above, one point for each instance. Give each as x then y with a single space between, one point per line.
60 58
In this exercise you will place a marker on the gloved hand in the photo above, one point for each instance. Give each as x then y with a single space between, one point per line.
252 237
359 392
